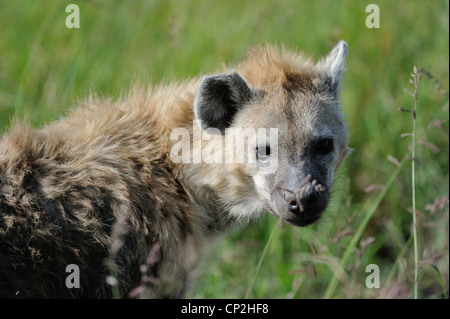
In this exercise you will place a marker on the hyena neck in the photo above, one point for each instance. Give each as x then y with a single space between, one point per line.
222 195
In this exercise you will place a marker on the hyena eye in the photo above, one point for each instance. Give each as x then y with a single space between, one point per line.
324 146
263 152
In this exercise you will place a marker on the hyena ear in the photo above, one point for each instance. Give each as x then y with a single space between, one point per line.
332 69
218 99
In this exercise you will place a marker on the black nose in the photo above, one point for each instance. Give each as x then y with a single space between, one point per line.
307 202
294 207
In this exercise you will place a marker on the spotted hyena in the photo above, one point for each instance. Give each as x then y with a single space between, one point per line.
104 186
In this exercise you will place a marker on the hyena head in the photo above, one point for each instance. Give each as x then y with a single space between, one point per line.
300 100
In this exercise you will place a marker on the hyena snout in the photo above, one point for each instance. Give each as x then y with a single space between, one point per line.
307 202
304 205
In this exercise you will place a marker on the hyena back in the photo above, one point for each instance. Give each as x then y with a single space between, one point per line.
99 188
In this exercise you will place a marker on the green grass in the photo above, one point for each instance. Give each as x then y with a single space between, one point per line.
45 68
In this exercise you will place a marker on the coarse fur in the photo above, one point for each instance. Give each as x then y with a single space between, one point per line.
100 188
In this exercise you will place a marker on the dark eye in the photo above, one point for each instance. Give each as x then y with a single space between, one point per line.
324 146
263 152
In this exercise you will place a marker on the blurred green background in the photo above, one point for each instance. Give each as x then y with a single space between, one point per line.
45 68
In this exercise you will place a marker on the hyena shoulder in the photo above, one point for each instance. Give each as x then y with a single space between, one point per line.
63 190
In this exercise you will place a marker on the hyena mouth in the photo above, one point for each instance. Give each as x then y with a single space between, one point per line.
305 205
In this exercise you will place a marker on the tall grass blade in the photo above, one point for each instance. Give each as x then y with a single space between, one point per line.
416 76
400 256
357 236
261 259
441 280
413 164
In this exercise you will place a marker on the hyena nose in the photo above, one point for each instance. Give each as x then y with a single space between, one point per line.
307 202
294 207
310 200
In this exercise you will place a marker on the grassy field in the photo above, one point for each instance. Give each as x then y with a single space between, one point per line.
45 68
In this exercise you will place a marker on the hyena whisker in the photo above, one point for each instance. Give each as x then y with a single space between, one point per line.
281 191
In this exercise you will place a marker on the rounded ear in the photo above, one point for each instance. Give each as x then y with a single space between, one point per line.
332 68
218 99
